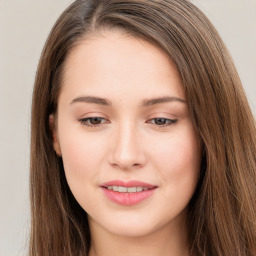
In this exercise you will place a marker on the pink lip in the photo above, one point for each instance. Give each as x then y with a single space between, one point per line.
128 199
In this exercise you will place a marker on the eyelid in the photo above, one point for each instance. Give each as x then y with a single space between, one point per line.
161 114
169 122
170 119
89 117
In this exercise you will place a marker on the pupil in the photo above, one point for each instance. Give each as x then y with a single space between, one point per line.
95 120
160 121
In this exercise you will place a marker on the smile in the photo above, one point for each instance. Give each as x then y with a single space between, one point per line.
128 193
122 189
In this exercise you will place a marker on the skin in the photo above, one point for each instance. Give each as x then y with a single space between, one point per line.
127 143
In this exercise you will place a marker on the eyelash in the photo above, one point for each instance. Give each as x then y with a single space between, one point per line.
88 121
167 121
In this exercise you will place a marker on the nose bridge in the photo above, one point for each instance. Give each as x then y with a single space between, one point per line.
127 148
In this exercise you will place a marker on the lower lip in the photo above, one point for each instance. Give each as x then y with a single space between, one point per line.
128 199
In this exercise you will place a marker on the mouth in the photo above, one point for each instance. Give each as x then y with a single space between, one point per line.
128 193
122 189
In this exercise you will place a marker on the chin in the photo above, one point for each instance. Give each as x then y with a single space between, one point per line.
131 230
131 225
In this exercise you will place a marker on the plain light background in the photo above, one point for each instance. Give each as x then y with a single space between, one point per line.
24 26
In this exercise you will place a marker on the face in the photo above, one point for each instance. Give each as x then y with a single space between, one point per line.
130 152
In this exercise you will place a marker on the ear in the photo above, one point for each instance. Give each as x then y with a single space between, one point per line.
56 144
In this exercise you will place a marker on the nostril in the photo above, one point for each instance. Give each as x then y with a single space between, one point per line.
126 152
126 165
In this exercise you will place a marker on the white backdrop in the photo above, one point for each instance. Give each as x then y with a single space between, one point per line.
24 26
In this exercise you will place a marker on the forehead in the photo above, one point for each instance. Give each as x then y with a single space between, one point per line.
117 62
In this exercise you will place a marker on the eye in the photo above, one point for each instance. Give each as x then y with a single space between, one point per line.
93 121
160 121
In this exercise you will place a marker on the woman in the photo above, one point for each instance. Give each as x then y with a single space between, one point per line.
142 137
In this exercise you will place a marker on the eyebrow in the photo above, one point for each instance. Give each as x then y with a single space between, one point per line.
160 100
92 99
106 102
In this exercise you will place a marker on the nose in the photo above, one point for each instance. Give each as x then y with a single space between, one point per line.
127 150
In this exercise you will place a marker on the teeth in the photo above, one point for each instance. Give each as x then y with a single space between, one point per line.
139 189
126 189
132 190
122 189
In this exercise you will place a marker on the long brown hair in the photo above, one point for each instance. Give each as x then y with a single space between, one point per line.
222 212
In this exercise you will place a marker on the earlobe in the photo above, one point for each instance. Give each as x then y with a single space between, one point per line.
55 139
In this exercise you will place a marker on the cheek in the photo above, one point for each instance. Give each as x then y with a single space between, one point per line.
178 164
82 156
81 160
178 160
179 153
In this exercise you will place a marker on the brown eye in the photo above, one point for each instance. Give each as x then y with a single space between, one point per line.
93 121
162 121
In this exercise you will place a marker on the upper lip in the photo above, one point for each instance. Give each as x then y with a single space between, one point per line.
128 184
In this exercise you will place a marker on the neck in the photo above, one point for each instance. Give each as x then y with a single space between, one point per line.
170 240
